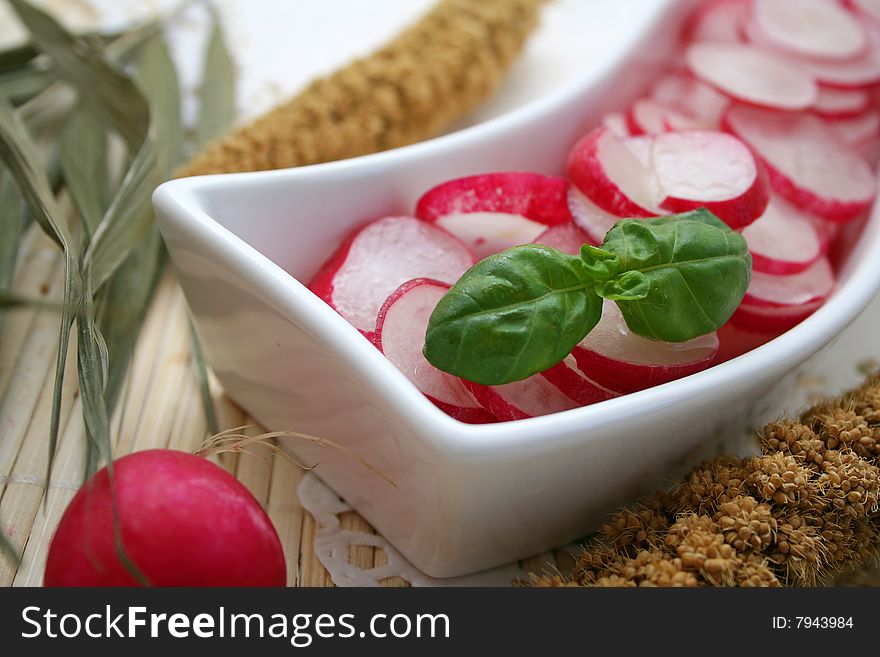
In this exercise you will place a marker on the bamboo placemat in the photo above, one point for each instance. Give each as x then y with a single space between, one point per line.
160 407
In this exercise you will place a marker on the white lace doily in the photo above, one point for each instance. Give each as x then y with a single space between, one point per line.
333 543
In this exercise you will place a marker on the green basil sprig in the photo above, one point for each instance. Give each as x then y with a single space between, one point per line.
521 311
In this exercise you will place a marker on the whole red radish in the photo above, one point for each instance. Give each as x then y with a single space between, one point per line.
184 521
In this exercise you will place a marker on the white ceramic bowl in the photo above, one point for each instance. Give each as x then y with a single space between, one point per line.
466 497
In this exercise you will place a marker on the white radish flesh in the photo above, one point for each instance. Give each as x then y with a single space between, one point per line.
568 377
813 284
615 357
861 72
379 258
648 116
718 20
400 335
746 73
712 170
783 240
692 96
806 161
820 29
606 170
841 103
857 130
868 8
594 221
568 238
771 320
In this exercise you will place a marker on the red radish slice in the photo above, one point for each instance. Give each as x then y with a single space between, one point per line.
746 73
530 397
868 8
648 116
400 335
717 20
594 221
735 341
618 359
568 238
864 71
841 103
807 163
575 384
693 97
772 320
712 170
811 285
859 129
605 169
819 29
377 259
616 122
783 240
495 211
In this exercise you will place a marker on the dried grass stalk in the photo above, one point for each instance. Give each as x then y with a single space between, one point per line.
431 74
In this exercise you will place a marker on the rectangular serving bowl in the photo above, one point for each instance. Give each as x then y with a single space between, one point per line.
464 497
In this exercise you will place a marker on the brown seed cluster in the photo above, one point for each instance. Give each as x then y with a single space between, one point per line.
431 74
805 512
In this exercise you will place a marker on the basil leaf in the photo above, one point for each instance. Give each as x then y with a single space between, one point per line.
697 268
512 315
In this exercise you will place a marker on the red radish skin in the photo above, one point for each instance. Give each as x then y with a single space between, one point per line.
530 397
614 357
806 162
818 29
712 170
377 259
605 170
784 240
870 9
859 130
588 216
568 238
572 382
184 522
733 341
495 211
751 75
841 103
766 320
717 20
400 335
696 98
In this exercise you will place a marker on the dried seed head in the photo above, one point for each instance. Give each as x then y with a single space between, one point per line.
595 562
746 524
635 529
799 552
794 439
614 581
850 485
656 568
840 426
755 571
779 478
710 484
698 542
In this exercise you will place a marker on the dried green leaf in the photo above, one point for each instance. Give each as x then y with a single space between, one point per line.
158 79
8 550
217 109
17 56
12 223
200 368
10 299
19 85
84 165
20 154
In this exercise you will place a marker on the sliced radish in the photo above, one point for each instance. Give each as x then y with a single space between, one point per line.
712 170
568 238
841 103
772 320
868 8
807 163
717 20
811 285
495 211
783 240
734 341
746 73
863 71
400 335
530 397
606 170
568 377
378 258
594 221
857 130
617 123
648 116
618 359
692 96
820 29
